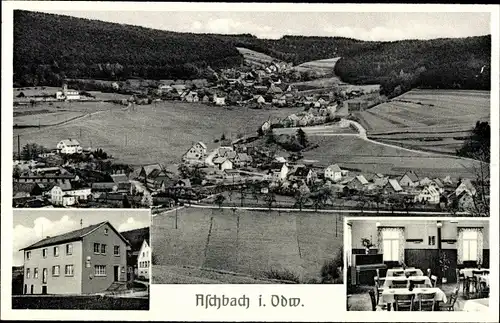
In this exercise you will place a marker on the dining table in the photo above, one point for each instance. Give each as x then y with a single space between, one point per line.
389 280
417 271
477 305
468 272
387 296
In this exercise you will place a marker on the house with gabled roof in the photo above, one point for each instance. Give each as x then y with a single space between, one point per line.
84 261
197 152
333 173
139 253
429 195
392 187
409 179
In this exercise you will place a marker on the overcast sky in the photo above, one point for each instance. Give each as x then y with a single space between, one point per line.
31 226
359 25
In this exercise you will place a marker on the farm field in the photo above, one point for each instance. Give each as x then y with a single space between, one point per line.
324 66
51 113
37 91
165 130
355 153
255 58
247 242
315 130
419 114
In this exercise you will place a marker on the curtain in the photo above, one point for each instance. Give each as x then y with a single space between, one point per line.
349 245
460 244
400 236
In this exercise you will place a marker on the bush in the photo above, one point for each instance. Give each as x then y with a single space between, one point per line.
331 272
282 274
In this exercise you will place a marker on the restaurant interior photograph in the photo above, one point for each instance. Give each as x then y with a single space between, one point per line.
402 264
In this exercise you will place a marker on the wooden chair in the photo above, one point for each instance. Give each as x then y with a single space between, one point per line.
417 283
484 290
404 302
427 301
378 287
434 280
450 306
398 273
429 274
375 306
399 284
460 280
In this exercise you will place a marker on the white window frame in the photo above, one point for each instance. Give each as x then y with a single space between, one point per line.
67 272
28 273
35 273
100 270
56 273
393 244
56 251
116 250
69 249
467 242
28 255
45 251
103 248
98 245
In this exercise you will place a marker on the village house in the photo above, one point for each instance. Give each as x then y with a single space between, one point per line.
158 180
69 196
333 173
242 159
146 170
429 195
392 187
144 260
67 94
20 190
222 163
219 100
196 153
358 183
69 146
465 185
136 240
191 96
409 179
84 261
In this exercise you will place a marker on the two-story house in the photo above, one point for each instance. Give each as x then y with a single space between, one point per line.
333 173
69 146
84 261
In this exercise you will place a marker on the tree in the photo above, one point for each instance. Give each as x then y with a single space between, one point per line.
301 199
302 137
242 194
31 151
270 199
219 200
16 172
147 200
378 199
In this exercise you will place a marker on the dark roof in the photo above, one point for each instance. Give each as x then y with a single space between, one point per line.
302 171
411 175
24 187
70 236
136 237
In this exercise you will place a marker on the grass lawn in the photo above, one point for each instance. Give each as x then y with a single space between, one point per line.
153 133
247 242
352 152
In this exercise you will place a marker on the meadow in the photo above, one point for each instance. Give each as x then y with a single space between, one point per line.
247 242
409 120
358 154
160 132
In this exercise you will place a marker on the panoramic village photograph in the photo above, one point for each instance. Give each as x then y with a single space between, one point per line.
408 264
83 259
249 136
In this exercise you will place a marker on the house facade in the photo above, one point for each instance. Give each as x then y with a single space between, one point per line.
59 196
409 179
69 146
428 194
333 173
144 260
84 261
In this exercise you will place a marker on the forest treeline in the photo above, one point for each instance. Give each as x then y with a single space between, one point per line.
49 48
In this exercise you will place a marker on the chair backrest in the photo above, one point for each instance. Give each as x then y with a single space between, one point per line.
453 297
373 300
417 282
428 272
427 296
477 272
459 275
404 300
434 280
399 284
427 300
377 281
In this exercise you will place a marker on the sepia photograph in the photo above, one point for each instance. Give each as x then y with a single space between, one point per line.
81 259
418 264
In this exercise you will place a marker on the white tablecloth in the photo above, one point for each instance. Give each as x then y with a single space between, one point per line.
467 272
477 305
390 272
388 280
388 294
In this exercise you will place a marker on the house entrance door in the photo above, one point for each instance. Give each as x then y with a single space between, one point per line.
44 290
116 273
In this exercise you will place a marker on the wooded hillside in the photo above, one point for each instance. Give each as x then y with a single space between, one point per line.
48 48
